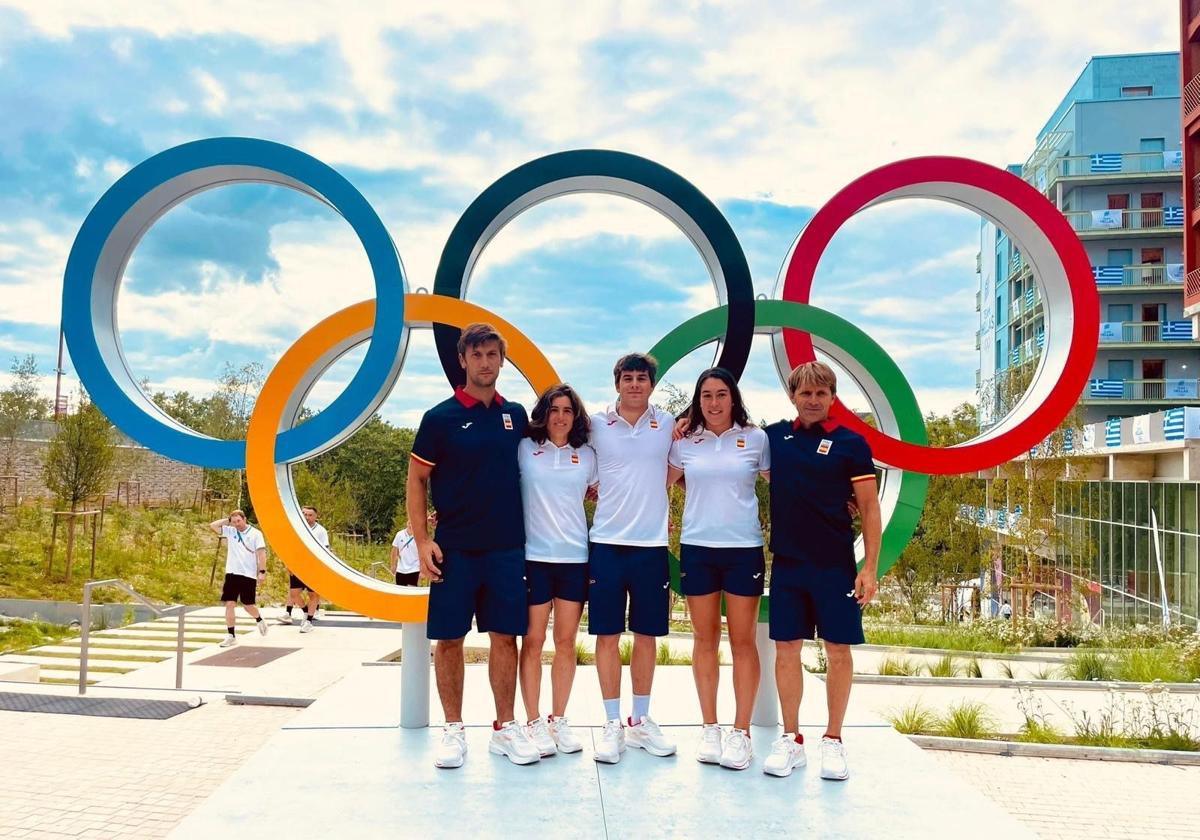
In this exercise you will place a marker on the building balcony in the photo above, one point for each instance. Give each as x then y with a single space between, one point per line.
1147 332
1149 277
1091 224
1142 390
1191 292
1080 170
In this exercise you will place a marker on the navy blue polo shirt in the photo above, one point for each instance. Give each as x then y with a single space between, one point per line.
476 482
813 471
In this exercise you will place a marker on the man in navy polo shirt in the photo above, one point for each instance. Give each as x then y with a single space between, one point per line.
816 465
467 446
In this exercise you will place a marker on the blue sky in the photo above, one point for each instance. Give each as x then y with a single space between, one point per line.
423 106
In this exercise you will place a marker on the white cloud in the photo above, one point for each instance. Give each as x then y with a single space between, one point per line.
215 97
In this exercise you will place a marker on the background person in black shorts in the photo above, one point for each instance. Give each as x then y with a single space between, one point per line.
297 586
467 446
245 565
815 588
406 561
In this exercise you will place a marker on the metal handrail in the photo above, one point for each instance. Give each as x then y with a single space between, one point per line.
85 625
378 564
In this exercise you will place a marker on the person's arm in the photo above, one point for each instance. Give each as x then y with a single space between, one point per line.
261 556
417 494
673 475
218 526
866 497
395 559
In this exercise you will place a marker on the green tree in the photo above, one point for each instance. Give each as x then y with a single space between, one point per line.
20 403
373 464
79 464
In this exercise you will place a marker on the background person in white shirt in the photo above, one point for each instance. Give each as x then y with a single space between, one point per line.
628 565
557 469
295 585
245 565
721 551
406 560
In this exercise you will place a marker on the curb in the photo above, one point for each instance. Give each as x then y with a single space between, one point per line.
265 700
993 682
1037 654
1019 748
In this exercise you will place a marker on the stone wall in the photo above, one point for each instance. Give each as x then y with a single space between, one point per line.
162 480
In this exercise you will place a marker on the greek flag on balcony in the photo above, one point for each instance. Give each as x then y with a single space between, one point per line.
1108 275
1015 262
1017 514
1015 356
1029 298
1112 432
1106 162
1106 388
1001 519
1068 440
1172 217
1175 273
1173 424
980 516
1177 331
1041 338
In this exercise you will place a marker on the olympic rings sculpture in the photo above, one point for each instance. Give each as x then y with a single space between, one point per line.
120 218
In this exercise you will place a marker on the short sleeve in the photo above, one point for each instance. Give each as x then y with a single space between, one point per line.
257 540
594 470
226 531
764 454
673 457
399 540
860 465
427 446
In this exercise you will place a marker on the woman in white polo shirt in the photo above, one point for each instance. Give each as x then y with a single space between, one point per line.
557 468
721 551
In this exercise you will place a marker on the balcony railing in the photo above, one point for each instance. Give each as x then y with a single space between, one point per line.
1196 191
1144 332
1131 163
1100 221
1191 95
1191 288
1163 390
1138 276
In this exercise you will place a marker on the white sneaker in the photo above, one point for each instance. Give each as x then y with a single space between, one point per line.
785 755
285 619
453 750
564 736
262 627
738 751
612 743
228 641
306 626
539 733
646 735
833 760
510 740
710 744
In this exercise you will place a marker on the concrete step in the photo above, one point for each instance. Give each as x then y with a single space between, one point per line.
97 652
116 666
147 648
64 681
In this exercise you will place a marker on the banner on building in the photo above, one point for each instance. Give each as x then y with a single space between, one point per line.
1173 160
1181 389
1110 331
1175 273
1106 219
1089 437
1141 429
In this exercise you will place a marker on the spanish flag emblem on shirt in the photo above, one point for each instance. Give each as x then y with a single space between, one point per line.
574 457
741 443
653 424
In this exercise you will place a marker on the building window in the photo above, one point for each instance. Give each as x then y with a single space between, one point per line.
1137 90
1153 144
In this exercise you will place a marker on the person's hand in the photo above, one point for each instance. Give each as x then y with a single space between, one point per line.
865 587
852 509
430 555
680 429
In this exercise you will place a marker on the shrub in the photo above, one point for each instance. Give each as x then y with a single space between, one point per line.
944 667
974 670
967 719
1090 666
913 719
1145 665
583 656
899 666
625 651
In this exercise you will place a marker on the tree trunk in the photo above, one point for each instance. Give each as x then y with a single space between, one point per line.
70 544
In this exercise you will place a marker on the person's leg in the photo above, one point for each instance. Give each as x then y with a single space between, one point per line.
607 600
314 601
789 679
562 672
531 659
647 571
448 670
705 611
742 618
502 673
641 664
837 685
230 607
608 669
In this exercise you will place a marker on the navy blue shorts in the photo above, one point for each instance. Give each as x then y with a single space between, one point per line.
738 571
489 585
808 599
637 574
547 581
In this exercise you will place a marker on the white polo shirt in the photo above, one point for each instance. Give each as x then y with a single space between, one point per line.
553 482
321 534
720 508
241 549
632 462
409 560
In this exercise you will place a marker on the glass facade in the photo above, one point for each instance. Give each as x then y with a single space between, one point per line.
1109 540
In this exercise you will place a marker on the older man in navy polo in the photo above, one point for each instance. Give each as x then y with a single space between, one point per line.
467 447
816 465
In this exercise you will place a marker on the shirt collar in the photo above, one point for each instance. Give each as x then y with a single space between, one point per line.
649 413
826 427
736 428
470 402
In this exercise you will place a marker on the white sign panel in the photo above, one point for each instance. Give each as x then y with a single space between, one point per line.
1106 219
1141 429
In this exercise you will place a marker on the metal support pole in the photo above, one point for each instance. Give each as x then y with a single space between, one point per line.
766 702
179 649
414 677
85 626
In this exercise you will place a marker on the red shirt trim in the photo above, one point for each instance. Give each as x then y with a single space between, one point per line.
828 426
470 402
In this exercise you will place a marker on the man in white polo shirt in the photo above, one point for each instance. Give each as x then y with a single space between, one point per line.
296 586
628 562
245 565
406 561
